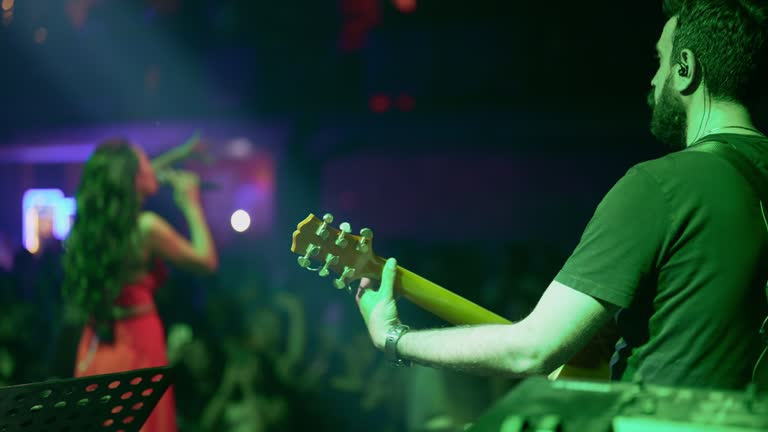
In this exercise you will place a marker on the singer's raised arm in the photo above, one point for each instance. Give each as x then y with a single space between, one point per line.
178 153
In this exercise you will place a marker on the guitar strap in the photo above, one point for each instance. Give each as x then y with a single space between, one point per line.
759 184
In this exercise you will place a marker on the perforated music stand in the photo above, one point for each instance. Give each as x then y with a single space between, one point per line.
119 402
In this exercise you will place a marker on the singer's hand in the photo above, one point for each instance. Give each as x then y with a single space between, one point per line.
185 184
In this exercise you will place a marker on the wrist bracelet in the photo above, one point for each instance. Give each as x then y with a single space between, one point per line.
390 345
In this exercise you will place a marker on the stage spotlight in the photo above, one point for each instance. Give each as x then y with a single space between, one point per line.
240 220
405 6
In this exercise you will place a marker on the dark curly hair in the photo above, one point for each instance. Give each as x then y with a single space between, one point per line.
103 250
729 39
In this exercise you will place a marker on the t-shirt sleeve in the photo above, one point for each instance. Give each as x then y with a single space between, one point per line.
621 244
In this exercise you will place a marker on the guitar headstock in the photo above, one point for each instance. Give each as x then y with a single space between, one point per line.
335 250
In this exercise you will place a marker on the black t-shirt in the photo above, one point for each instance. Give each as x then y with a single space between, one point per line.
680 244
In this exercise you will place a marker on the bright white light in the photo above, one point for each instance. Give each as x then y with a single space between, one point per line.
240 147
240 220
53 201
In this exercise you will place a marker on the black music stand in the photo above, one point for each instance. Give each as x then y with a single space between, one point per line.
119 402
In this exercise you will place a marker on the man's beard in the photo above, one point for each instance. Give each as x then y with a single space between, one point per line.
668 118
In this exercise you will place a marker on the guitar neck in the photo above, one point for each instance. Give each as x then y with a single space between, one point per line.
441 302
316 240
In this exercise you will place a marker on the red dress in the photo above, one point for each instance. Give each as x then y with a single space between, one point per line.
139 342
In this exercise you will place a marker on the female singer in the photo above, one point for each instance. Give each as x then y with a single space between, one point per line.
112 262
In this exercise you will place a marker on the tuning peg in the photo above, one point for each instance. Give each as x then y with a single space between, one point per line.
329 260
312 250
322 231
341 241
341 282
363 246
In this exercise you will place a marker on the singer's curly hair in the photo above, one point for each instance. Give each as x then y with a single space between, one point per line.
103 250
729 39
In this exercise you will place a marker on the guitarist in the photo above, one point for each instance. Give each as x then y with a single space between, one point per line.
676 252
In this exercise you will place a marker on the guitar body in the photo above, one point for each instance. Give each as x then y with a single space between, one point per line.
351 257
601 372
593 361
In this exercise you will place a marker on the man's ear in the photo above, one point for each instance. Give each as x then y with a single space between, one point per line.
687 73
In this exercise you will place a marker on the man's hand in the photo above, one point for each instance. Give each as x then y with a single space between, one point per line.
378 306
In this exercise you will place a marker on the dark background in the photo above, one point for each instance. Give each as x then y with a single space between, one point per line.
168 59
